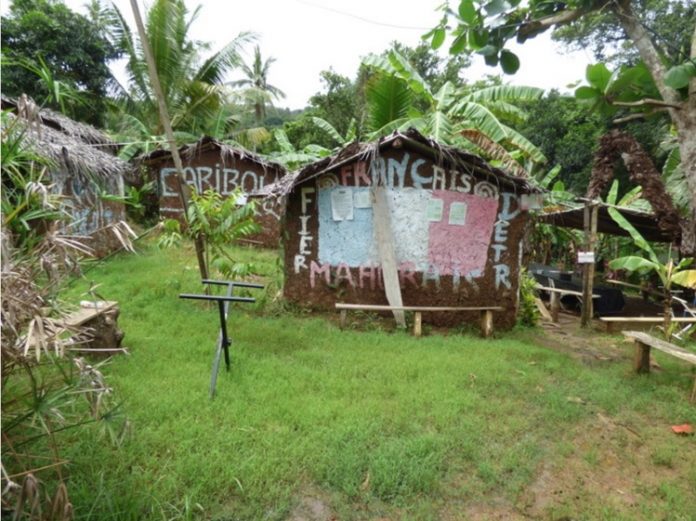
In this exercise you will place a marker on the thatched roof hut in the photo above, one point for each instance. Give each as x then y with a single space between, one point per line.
72 146
210 164
444 222
83 166
228 154
438 153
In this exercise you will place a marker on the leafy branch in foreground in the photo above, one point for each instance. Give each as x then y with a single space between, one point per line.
221 221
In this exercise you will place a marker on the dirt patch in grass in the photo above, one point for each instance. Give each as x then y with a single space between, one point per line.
610 468
312 506
484 512
582 344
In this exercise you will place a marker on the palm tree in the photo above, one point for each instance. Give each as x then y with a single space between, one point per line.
256 86
193 88
469 119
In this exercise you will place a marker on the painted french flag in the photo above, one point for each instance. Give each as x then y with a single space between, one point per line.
433 229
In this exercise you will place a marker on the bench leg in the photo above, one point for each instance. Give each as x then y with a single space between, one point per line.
642 358
555 306
417 324
692 399
486 323
344 318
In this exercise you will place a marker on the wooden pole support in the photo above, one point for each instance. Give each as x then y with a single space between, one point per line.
642 358
417 324
344 318
486 323
692 399
588 271
555 306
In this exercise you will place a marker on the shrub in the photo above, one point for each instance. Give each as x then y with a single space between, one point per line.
527 312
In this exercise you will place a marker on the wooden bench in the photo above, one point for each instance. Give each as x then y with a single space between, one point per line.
103 314
645 342
611 322
87 311
556 294
486 314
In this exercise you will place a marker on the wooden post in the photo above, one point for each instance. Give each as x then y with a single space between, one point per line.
344 318
590 225
692 399
387 256
555 306
166 124
642 358
417 331
486 323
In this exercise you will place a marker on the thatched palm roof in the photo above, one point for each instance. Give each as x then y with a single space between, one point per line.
207 143
411 139
75 148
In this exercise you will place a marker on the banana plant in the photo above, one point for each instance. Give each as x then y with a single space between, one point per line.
330 130
292 158
673 173
471 120
670 272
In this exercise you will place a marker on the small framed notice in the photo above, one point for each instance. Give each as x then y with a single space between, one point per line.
435 207
457 213
531 201
586 257
361 198
342 204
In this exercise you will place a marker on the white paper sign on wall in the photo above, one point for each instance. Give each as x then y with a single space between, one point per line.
531 201
586 257
342 204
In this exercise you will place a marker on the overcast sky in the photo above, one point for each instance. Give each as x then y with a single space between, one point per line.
309 36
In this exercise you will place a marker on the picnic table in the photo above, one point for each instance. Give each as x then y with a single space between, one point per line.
610 300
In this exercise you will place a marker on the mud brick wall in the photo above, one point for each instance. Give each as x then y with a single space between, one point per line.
457 238
90 214
208 170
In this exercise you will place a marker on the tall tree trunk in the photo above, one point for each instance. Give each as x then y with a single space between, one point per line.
686 134
667 316
684 117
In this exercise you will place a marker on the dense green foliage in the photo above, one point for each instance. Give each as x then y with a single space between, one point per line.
344 102
193 86
74 50
671 21
660 32
45 394
567 135
527 313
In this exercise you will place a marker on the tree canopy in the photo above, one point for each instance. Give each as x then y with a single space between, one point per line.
486 27
73 49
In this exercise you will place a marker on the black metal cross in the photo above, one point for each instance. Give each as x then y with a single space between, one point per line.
223 303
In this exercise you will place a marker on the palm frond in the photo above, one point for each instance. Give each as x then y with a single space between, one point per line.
388 99
507 111
493 150
511 93
480 117
524 145
329 129
219 64
440 126
282 139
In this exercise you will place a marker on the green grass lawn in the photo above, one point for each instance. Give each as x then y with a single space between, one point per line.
366 423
